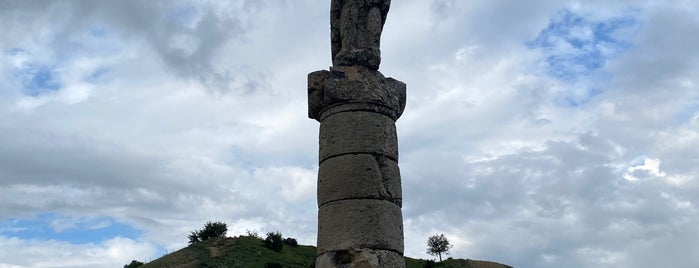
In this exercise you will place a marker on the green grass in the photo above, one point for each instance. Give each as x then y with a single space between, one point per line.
245 251
454 263
235 252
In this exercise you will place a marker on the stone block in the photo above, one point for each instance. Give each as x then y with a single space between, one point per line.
364 258
316 82
358 132
359 224
358 176
359 84
354 84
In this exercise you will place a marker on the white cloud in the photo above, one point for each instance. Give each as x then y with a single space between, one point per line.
651 168
171 115
292 183
36 253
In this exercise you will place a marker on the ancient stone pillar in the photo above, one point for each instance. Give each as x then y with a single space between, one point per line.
359 190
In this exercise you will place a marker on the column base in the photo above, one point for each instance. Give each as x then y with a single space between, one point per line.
363 258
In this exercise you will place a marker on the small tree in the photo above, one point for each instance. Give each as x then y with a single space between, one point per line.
274 241
210 230
438 244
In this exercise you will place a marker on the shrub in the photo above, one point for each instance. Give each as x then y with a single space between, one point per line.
273 265
133 264
194 237
252 234
291 242
274 241
429 264
210 230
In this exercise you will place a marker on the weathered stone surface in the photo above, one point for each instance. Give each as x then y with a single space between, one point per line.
358 132
360 223
316 85
391 180
356 27
354 85
366 258
359 194
357 176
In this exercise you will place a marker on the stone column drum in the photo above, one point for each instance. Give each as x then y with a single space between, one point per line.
359 190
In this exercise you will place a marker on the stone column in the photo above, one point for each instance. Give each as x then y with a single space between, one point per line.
359 190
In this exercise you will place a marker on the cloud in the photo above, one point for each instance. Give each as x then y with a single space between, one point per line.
527 176
188 37
650 169
166 116
36 253
564 205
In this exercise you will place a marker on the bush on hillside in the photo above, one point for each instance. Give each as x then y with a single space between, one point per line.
274 241
273 265
429 264
210 230
133 264
291 242
252 234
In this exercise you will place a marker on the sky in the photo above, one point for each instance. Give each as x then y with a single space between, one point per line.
542 133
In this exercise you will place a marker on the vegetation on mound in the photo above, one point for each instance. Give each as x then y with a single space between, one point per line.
249 251
254 251
274 241
210 230
452 263
243 251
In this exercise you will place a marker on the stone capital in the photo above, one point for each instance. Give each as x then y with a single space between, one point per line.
354 88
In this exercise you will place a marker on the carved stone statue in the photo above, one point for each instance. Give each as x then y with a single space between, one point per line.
356 27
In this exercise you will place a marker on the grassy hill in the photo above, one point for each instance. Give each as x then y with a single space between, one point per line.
246 251
454 263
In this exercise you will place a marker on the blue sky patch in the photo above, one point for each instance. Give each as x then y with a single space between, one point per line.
39 79
98 32
575 46
575 100
49 226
